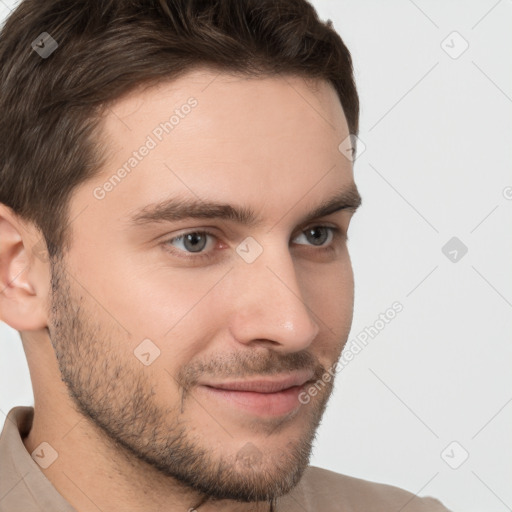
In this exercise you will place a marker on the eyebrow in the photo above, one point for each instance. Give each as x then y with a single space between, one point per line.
176 209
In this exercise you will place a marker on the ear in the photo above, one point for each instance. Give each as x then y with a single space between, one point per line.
24 273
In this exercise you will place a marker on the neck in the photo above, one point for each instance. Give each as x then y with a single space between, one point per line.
93 473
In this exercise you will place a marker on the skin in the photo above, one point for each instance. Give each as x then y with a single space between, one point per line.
136 437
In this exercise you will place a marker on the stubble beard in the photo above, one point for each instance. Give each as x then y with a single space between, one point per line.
116 398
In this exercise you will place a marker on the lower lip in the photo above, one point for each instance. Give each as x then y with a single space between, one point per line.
261 404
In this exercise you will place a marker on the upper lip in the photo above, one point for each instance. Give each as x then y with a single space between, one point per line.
264 385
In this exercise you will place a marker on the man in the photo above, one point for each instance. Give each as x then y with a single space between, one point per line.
174 208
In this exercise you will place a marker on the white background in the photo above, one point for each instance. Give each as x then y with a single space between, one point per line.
438 137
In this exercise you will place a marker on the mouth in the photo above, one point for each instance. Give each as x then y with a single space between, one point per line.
268 397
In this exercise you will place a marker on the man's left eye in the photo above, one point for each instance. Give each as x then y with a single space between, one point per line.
318 236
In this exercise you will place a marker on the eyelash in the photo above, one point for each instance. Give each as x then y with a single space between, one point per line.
336 232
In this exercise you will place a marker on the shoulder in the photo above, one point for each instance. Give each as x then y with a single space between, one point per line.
325 490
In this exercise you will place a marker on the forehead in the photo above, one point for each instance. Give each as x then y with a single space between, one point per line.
223 91
253 114
267 140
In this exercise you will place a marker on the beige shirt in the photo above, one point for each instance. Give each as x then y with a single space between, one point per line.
24 487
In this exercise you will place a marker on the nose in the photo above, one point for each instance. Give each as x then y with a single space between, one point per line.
270 308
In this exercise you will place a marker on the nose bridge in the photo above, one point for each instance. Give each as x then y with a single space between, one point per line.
270 303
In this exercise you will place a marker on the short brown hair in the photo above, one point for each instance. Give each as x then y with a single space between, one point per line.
51 107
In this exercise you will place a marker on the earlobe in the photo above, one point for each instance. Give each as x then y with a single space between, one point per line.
23 278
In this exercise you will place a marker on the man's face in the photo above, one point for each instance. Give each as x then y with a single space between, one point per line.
149 325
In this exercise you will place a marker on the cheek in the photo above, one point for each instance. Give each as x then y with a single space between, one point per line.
152 300
330 295
179 310
329 290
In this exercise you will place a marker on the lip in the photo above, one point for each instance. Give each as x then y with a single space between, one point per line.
276 396
264 385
